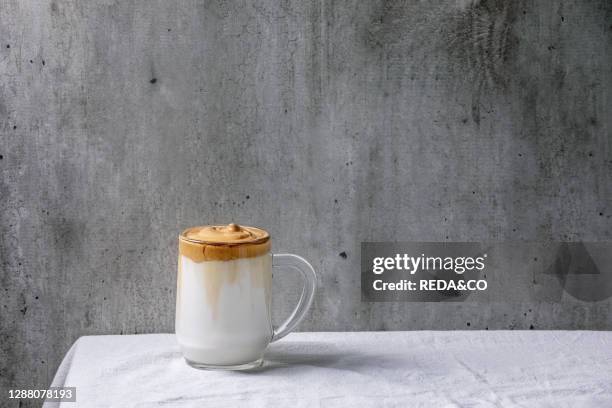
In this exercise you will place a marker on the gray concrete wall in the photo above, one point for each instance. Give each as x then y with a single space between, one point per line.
123 122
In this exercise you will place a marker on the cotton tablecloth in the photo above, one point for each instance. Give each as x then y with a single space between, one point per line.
355 369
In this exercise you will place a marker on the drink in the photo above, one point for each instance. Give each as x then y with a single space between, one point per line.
223 317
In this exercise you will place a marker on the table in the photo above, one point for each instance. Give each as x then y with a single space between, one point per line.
353 369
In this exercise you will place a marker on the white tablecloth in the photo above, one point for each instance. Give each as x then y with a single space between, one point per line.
364 369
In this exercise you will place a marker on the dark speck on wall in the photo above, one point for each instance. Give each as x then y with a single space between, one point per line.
14 127
43 62
248 196
153 80
469 324
531 327
343 255
8 46
1 157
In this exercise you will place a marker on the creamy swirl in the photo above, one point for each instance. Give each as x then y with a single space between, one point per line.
223 242
225 234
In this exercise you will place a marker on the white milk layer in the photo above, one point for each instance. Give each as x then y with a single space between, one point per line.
223 309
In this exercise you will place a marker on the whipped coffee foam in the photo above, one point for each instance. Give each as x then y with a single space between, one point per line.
225 234
223 242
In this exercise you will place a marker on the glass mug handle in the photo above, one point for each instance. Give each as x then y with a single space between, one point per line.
290 261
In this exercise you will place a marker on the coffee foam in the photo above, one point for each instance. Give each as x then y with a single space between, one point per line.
223 242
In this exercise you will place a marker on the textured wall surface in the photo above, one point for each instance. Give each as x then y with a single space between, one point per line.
123 122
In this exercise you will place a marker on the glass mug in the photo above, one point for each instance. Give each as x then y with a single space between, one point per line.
224 284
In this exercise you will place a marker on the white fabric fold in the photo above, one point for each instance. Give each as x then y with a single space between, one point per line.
354 369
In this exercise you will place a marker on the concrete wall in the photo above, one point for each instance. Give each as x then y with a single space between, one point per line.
123 122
